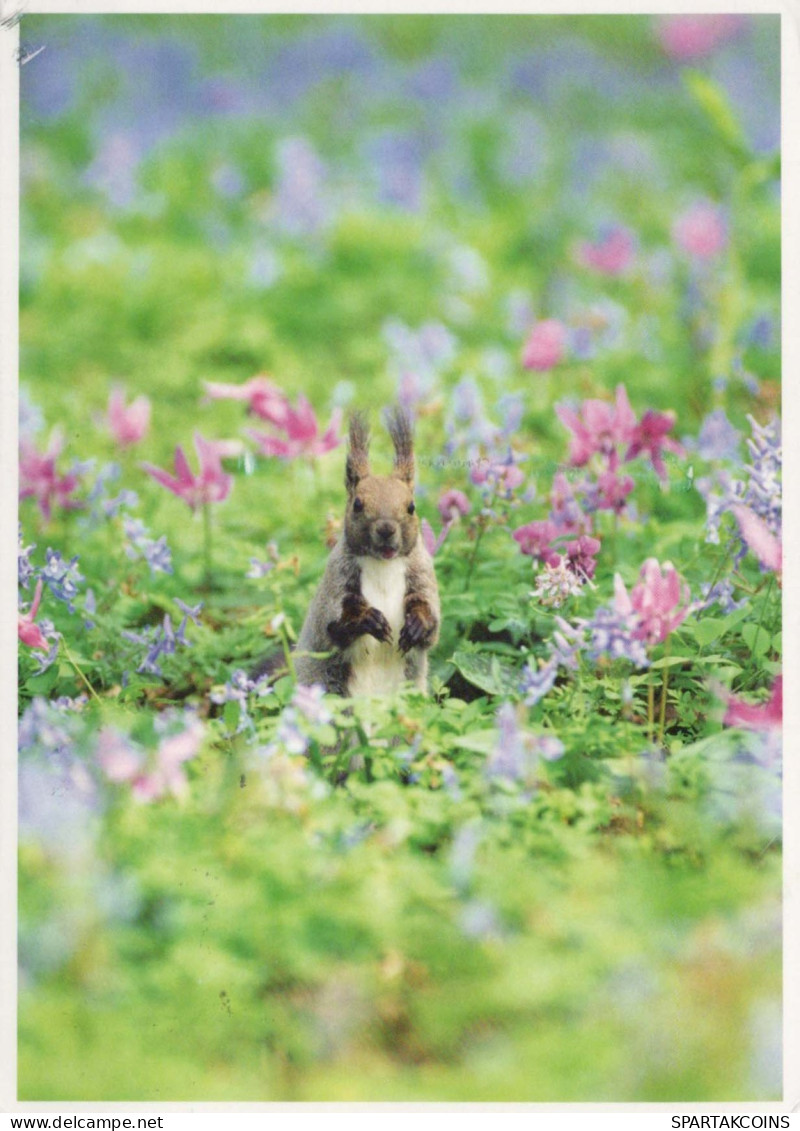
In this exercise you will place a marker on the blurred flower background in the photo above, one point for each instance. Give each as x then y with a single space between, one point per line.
556 241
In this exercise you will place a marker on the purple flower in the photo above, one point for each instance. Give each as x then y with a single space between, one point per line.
301 203
160 641
61 578
462 853
517 752
238 689
536 682
718 439
155 552
310 702
26 571
611 634
288 735
722 594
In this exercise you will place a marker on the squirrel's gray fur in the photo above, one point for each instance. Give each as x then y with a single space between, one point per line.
376 611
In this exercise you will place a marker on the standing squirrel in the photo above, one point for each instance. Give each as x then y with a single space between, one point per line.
376 610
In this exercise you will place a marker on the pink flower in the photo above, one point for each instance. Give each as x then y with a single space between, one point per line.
545 346
660 599
118 759
759 538
612 491
650 435
211 485
303 437
128 425
264 397
581 555
534 539
28 632
453 504
693 36
429 540
39 479
565 510
613 254
122 761
505 477
757 716
701 231
600 427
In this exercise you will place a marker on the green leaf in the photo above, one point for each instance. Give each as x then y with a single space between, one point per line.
714 103
230 713
708 629
487 672
756 638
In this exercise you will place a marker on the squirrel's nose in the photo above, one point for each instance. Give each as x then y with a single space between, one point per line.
385 530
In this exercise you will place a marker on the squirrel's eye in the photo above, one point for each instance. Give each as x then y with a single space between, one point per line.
411 508
358 505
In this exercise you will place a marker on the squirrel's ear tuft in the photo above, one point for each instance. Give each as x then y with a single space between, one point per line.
398 421
357 465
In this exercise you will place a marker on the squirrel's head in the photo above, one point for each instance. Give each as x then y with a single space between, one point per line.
380 519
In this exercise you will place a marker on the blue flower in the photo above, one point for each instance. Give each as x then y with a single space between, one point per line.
537 682
61 578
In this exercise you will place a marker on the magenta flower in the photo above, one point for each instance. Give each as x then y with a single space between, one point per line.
660 600
565 510
505 477
127 424
701 231
39 479
545 345
211 485
303 437
264 398
612 491
29 632
756 716
694 36
759 538
613 254
581 556
600 427
534 539
453 504
149 778
650 435
430 541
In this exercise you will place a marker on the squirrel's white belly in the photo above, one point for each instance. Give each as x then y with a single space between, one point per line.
376 668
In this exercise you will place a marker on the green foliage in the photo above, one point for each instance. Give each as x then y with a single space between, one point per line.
481 894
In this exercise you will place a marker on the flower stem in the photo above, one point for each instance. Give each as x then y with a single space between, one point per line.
651 703
78 670
662 713
287 653
207 566
473 555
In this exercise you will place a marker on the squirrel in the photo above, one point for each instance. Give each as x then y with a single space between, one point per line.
376 611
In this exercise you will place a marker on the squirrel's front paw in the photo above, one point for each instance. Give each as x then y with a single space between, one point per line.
376 624
418 628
